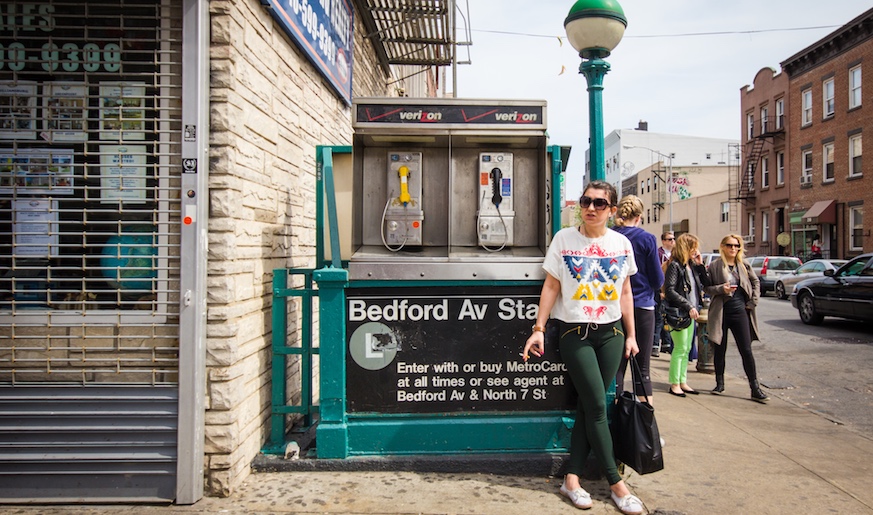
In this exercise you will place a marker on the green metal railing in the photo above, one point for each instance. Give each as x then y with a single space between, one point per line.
281 350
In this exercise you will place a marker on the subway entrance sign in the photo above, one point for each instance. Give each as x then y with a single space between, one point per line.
449 350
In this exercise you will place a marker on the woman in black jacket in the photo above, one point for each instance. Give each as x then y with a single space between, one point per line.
684 281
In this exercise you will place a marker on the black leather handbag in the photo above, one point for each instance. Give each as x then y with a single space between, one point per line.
635 437
676 318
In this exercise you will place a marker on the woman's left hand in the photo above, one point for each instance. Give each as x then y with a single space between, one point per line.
631 347
694 313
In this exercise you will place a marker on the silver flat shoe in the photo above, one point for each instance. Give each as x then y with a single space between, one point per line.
629 504
579 497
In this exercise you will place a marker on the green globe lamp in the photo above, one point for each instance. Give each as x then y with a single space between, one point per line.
595 28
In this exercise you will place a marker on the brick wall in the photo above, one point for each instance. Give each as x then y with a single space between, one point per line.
842 189
269 109
768 88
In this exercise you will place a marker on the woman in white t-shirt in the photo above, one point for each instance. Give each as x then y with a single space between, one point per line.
588 291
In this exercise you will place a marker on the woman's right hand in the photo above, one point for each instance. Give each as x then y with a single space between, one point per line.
535 345
694 313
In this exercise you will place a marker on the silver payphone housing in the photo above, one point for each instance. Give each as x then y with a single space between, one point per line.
496 217
477 189
403 209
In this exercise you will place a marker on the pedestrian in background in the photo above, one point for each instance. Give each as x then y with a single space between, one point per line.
735 290
684 281
588 292
663 341
668 241
646 285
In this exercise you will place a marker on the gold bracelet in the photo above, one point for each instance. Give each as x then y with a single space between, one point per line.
536 328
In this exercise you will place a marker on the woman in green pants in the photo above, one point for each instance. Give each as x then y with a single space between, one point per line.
588 292
684 281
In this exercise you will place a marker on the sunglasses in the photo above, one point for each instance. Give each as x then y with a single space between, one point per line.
669 239
733 245
599 203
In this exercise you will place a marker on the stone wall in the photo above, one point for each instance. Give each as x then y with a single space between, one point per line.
269 109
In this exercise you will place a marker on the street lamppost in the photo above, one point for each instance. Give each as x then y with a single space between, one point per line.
594 28
669 182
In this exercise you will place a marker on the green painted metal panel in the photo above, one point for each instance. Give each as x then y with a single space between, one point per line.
496 433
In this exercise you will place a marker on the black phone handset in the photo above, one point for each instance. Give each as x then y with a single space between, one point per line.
496 178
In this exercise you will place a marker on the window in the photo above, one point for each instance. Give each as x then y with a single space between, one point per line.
764 120
807 107
806 173
751 227
655 214
855 87
856 223
750 177
827 93
780 168
750 126
648 185
780 112
827 155
765 172
648 216
855 156
642 186
725 211
765 226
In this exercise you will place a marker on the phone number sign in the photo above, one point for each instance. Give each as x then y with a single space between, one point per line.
323 29
449 350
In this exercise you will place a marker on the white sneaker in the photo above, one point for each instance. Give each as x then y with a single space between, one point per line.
662 441
579 497
629 504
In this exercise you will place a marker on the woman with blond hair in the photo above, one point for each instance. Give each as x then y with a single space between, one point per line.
735 291
684 280
646 283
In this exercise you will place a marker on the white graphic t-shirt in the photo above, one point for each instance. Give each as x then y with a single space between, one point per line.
591 272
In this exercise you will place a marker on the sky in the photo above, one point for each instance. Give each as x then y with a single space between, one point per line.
680 65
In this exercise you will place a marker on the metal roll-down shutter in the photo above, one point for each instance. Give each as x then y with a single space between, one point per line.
90 167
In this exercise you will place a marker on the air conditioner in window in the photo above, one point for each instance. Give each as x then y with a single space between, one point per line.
806 179
749 239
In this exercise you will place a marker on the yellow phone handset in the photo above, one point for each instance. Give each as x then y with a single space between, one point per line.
404 198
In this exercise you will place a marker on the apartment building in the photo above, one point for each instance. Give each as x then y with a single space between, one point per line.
820 146
764 192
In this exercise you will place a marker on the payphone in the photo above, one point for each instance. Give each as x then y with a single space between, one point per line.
403 215
496 215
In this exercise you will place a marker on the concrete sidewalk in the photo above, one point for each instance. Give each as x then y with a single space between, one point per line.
723 455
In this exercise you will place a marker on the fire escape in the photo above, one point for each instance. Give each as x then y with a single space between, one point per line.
741 179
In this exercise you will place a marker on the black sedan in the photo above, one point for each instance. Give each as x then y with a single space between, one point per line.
846 292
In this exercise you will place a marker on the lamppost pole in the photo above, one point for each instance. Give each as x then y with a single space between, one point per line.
594 28
594 70
670 189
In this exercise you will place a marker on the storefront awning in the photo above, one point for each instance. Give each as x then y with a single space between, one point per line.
822 212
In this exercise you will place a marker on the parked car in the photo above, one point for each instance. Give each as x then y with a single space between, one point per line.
708 257
846 292
770 268
815 268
